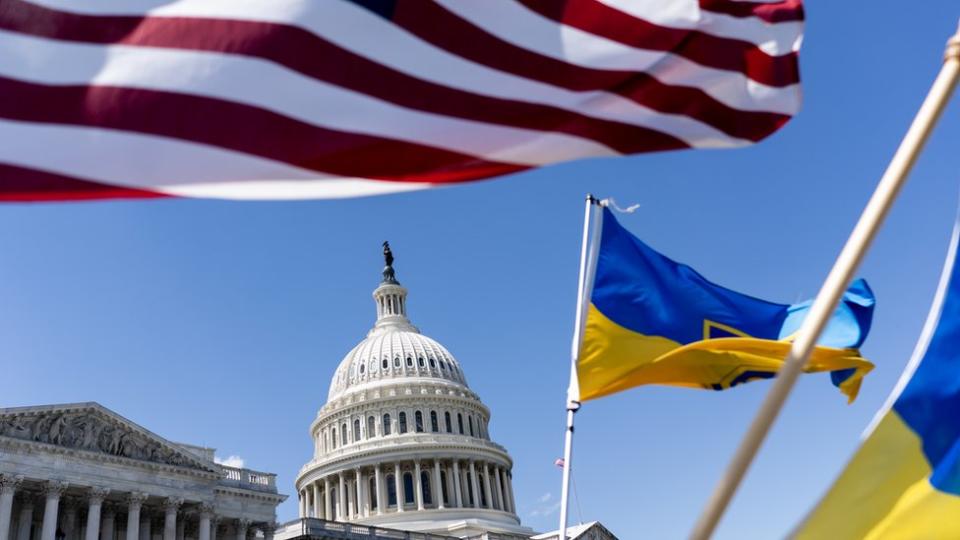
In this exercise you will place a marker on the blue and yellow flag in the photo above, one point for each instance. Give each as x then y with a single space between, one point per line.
904 481
654 321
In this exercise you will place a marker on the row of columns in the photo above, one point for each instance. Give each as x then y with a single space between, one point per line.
101 521
462 486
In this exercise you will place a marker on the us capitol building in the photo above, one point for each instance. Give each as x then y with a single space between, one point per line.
401 450
402 441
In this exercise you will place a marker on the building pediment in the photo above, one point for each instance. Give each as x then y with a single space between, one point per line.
90 427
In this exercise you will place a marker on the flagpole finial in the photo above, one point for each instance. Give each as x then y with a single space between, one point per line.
953 46
389 276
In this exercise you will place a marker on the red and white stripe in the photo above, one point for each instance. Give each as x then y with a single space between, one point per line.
290 99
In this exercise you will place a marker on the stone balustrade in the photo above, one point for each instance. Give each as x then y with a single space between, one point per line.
249 479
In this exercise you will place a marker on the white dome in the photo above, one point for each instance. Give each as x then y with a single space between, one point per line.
402 441
393 353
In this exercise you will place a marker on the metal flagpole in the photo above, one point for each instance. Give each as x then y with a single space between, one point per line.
833 288
588 261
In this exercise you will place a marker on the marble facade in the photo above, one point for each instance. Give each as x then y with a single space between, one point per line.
83 472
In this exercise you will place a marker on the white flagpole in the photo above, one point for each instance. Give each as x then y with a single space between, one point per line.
833 288
588 262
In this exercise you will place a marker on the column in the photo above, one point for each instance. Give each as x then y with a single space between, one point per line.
96 497
486 484
108 523
170 507
52 490
316 499
242 526
417 485
473 484
203 527
267 530
134 502
182 528
498 485
327 511
379 486
361 508
302 501
342 496
398 481
438 486
509 481
26 518
8 486
456 484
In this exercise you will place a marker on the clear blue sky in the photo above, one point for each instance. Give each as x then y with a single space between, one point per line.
220 323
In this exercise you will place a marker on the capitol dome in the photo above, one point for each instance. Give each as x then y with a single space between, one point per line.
402 441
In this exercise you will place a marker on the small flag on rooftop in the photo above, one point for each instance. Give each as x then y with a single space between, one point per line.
295 99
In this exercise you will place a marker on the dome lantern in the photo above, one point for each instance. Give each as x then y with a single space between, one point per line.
391 299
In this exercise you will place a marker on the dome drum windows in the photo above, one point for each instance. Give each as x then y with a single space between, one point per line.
418 421
409 362
403 422
356 430
371 427
386 424
420 362
434 425
446 420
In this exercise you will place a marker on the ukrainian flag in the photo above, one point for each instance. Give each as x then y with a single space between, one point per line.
654 321
904 481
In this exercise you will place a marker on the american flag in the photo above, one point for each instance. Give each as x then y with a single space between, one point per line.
291 99
560 462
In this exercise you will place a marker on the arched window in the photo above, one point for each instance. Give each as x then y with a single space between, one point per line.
386 424
396 362
434 425
323 440
372 492
356 430
409 362
470 420
443 487
363 367
391 491
343 434
408 488
443 365
334 500
403 422
425 487
386 364
418 421
433 364
333 438
420 361
446 420
460 422
371 426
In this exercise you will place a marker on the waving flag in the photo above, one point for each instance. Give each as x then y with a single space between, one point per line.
335 98
904 481
654 321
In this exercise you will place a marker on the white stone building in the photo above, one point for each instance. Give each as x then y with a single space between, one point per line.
82 472
403 442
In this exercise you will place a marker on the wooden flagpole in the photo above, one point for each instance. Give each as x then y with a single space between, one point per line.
833 288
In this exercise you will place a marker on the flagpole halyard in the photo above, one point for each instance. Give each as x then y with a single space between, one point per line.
592 223
834 286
